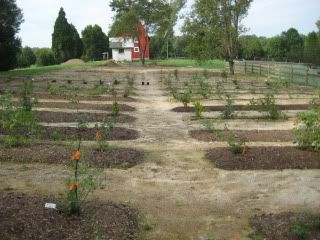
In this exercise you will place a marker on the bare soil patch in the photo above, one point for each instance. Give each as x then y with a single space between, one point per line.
57 117
264 158
286 226
24 217
252 135
242 108
60 154
83 98
84 106
74 61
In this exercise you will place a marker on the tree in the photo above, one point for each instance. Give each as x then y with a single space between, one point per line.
318 25
11 18
312 49
133 17
294 45
250 47
95 42
215 26
45 57
26 58
277 48
66 43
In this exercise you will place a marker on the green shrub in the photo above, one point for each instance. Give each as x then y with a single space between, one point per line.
184 97
198 109
115 109
204 88
228 111
307 131
224 74
300 231
45 57
236 145
26 58
267 104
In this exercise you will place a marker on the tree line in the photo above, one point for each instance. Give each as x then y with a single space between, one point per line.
66 41
213 29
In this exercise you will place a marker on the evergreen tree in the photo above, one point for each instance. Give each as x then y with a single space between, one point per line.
312 49
10 19
65 39
95 42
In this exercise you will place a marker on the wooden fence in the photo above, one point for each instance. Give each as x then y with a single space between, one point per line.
292 72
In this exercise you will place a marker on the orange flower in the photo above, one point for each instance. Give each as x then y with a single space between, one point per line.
98 135
73 186
76 156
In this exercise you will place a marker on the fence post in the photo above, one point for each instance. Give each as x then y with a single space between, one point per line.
252 68
260 69
269 71
245 67
291 73
307 76
279 72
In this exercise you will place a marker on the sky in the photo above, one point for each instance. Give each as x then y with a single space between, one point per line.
265 17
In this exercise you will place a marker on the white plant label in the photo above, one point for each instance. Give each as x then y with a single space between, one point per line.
50 205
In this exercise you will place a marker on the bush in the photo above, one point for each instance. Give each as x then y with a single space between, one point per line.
45 57
183 97
115 109
267 104
198 109
237 145
26 58
307 131
228 111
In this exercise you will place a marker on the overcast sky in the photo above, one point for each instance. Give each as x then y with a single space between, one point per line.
266 17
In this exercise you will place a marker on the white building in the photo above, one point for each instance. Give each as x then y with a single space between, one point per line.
121 48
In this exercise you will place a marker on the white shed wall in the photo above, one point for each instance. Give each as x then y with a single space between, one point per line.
126 56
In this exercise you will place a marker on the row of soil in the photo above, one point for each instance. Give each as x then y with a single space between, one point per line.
252 135
264 158
242 108
24 217
88 134
84 106
57 117
83 98
286 226
111 157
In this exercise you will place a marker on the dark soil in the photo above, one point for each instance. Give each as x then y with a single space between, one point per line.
242 108
60 154
24 217
286 226
264 158
254 135
56 117
84 106
88 134
83 98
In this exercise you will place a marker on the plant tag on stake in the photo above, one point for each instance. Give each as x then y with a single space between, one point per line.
50 205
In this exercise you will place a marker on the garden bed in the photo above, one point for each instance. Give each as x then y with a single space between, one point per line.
286 226
60 154
264 158
56 117
83 98
88 134
242 108
252 135
24 217
83 106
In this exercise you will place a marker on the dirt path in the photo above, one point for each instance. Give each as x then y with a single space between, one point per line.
182 195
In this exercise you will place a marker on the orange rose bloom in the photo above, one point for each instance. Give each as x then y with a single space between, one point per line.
73 186
98 135
76 156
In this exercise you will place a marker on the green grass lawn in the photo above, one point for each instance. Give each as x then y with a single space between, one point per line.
37 70
218 64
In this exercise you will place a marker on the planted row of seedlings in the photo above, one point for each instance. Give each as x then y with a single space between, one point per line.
74 215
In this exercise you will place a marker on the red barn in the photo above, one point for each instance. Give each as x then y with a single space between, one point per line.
127 49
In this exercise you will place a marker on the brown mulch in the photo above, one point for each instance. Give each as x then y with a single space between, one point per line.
57 117
60 154
83 98
242 108
282 226
24 217
84 106
88 134
264 158
252 135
